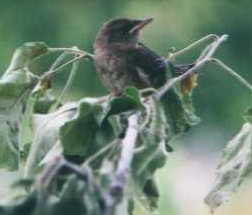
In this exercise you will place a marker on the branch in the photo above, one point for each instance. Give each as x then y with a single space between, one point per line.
201 61
128 145
58 61
232 73
82 173
98 153
53 168
52 72
69 82
78 54
172 56
73 50
49 172
123 168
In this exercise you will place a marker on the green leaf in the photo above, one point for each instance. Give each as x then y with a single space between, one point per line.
40 98
133 93
179 109
130 100
82 128
45 129
15 86
44 103
83 135
90 129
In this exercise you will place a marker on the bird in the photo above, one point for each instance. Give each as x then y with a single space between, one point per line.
121 60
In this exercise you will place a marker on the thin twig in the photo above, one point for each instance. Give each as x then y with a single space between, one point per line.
97 154
172 56
73 50
232 73
204 52
66 51
50 171
171 82
77 170
49 73
68 84
58 61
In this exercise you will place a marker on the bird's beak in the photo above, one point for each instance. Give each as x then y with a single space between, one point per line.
140 24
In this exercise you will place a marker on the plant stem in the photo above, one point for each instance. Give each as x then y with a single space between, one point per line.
68 84
100 152
232 73
199 63
51 72
73 50
172 56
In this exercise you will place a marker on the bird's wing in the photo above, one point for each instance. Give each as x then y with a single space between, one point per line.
180 69
151 65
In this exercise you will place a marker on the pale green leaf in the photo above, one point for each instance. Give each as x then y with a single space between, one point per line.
234 168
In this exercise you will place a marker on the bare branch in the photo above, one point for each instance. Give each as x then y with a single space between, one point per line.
124 165
172 56
100 152
73 50
203 60
52 72
58 61
49 172
70 79
128 145
232 73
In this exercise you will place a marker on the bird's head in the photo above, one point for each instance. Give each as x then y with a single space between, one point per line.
122 30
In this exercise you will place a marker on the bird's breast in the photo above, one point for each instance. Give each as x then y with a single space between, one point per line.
112 70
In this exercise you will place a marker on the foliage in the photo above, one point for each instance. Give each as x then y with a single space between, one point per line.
92 135
99 155
234 168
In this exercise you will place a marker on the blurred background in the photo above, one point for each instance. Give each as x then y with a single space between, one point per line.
220 101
